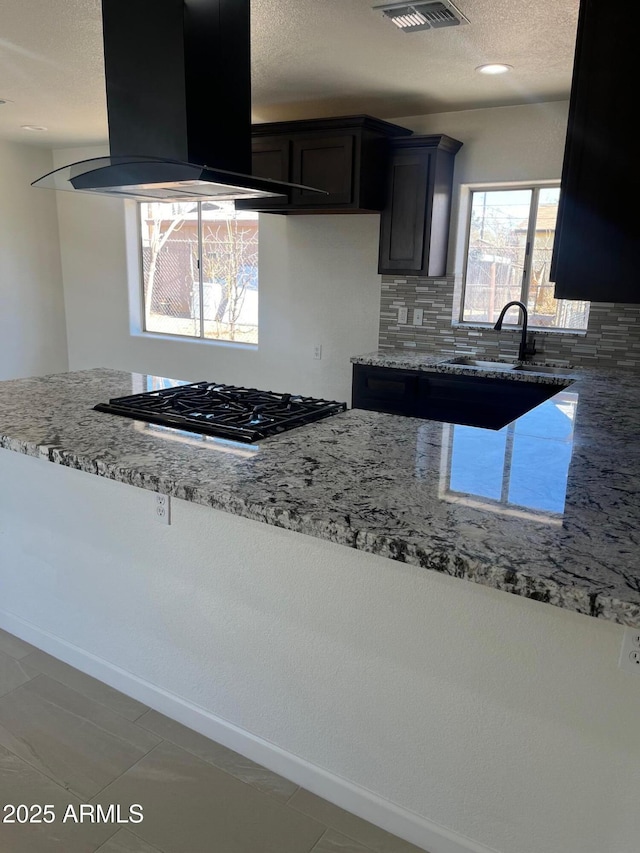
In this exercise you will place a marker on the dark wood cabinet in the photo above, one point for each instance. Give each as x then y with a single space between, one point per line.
450 398
347 157
271 158
595 253
325 162
384 389
414 227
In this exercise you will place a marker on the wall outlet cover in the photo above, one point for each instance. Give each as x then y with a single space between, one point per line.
630 651
162 508
403 316
418 314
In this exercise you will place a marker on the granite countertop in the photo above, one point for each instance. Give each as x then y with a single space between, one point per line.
431 363
546 508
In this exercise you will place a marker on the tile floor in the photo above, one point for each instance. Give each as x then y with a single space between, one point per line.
67 740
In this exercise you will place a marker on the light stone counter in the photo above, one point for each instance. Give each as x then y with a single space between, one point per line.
547 508
427 363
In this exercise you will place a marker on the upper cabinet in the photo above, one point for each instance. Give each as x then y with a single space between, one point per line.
595 253
347 157
414 227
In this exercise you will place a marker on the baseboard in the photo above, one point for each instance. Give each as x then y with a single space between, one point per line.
365 804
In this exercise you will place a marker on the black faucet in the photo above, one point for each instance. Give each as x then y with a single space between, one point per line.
527 347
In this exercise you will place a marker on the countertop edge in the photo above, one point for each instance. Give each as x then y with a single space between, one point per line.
514 581
425 363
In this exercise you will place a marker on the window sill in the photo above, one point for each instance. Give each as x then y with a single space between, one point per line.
539 330
158 336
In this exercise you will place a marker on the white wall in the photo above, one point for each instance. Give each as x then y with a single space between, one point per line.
318 285
481 715
523 143
32 324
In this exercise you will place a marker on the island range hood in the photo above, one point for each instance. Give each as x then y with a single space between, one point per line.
178 79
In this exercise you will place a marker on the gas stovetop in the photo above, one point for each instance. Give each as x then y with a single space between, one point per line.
227 411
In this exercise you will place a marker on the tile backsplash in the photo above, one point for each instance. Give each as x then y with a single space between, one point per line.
612 338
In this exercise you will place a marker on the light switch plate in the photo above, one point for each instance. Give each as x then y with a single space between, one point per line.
418 314
403 316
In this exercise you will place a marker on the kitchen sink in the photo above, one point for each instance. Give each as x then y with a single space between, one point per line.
542 368
508 366
469 361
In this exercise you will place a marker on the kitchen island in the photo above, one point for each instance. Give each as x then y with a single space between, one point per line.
550 512
305 607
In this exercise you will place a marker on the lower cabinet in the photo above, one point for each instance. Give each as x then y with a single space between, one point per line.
452 398
383 389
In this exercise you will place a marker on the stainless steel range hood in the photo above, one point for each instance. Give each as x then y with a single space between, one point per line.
178 78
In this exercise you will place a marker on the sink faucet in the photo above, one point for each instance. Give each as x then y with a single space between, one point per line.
527 345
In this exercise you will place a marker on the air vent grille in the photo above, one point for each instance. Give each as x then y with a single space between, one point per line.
414 17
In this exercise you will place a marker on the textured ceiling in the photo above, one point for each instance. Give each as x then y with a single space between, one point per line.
310 58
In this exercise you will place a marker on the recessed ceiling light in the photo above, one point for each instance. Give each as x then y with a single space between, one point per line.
494 68
35 128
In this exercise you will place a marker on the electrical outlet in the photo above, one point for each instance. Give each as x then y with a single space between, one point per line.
630 652
317 352
418 314
403 316
163 508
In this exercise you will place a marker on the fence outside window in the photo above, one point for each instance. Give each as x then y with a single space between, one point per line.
509 244
200 270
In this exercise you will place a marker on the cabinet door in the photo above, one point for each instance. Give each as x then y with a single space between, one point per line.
404 224
385 389
325 162
270 158
596 244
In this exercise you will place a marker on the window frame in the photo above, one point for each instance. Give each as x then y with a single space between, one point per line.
525 286
140 287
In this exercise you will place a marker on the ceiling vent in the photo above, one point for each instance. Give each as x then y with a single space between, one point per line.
412 17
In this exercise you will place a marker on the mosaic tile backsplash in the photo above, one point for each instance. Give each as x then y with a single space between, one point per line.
611 340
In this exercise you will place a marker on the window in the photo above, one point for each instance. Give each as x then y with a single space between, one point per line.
510 239
200 270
